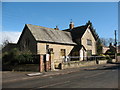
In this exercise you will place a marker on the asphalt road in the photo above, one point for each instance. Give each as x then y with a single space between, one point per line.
102 77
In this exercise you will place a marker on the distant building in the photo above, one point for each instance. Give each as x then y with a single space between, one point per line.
105 48
118 49
111 50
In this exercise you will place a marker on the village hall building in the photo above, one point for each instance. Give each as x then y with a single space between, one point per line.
74 41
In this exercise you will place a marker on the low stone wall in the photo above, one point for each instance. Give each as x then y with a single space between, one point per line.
113 60
103 61
74 64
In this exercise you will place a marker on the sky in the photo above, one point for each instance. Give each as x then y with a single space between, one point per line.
103 15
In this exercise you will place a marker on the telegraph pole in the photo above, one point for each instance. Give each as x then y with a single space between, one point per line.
115 47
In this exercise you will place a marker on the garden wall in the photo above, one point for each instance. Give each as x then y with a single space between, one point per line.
73 64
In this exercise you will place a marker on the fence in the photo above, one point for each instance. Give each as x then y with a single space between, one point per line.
84 58
78 61
74 61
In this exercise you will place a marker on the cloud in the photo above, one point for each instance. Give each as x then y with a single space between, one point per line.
10 36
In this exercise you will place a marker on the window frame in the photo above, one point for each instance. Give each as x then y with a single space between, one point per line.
63 52
89 42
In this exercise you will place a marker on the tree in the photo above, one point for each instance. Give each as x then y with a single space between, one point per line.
104 41
107 41
10 57
111 40
99 46
5 42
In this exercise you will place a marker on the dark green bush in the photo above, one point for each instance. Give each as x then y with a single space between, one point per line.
25 58
118 54
15 57
10 57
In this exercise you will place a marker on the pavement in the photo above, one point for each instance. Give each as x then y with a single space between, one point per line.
10 76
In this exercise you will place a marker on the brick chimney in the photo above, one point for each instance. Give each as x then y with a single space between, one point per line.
110 44
56 28
71 25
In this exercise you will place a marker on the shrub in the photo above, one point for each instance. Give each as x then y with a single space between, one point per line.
15 57
118 54
107 56
109 60
10 57
25 58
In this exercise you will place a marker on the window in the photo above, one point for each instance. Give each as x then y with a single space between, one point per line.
89 42
27 41
63 52
47 48
50 50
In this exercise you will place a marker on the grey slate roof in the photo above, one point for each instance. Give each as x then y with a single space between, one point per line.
78 32
50 35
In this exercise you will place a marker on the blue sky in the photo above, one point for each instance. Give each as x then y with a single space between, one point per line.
103 15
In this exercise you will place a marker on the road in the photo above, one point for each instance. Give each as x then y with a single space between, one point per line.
102 77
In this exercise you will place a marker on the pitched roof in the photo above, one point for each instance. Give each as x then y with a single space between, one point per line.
78 32
50 35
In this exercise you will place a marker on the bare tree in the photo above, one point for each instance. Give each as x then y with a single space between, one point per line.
5 42
104 41
107 41
111 40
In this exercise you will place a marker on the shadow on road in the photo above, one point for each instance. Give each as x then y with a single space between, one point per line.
116 66
115 63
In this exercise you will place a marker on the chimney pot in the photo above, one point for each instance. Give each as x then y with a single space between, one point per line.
56 28
71 26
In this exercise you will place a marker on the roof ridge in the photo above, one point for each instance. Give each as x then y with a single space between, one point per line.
75 27
40 26
46 28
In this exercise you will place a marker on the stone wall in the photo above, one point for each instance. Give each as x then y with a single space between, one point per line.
27 41
81 64
88 35
57 57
